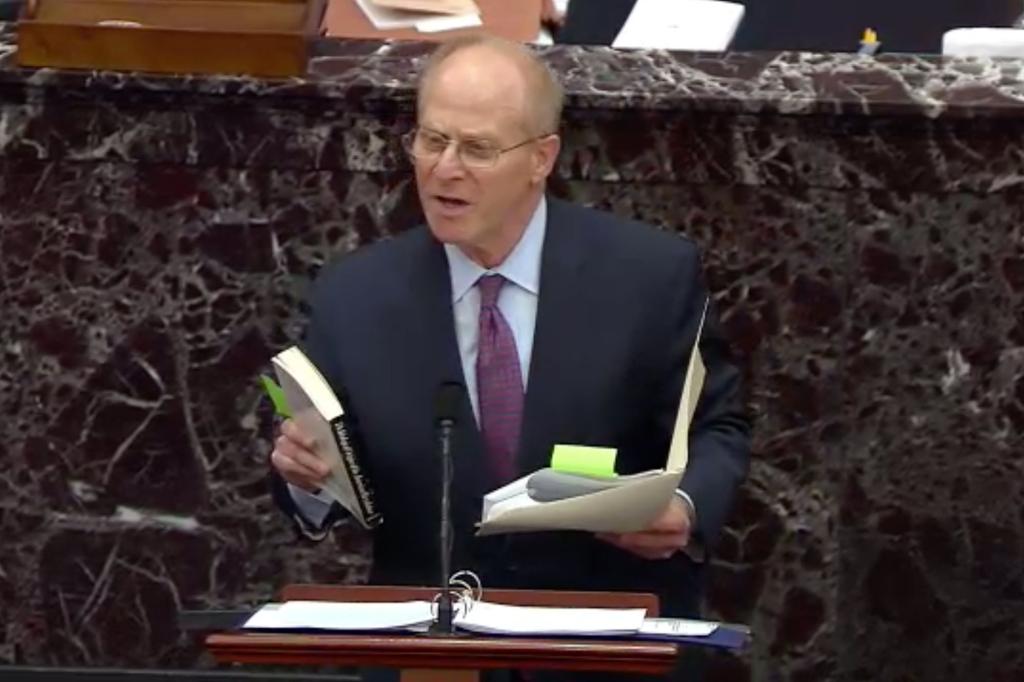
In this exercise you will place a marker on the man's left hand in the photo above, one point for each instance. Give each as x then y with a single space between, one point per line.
667 534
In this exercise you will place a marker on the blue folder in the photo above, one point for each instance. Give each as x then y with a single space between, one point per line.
731 637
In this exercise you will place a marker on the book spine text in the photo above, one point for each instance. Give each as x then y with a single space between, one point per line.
360 481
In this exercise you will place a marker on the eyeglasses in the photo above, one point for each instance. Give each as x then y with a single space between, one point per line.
423 144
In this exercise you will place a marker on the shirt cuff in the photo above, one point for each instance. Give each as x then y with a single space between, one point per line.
312 507
689 505
694 549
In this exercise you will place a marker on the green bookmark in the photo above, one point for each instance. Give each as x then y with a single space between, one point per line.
276 396
584 460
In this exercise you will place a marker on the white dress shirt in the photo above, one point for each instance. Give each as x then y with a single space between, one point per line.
517 299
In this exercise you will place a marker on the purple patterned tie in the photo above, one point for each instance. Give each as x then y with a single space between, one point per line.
499 383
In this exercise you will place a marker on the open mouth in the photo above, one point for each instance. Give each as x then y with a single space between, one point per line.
451 202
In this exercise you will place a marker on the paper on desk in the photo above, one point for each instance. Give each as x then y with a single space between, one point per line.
268 617
983 42
438 24
431 6
386 19
389 19
677 627
490 618
342 616
482 617
696 25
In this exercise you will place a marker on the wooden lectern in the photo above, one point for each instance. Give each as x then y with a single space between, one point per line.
238 37
267 38
423 658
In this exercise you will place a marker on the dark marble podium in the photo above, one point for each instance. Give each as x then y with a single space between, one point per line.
863 223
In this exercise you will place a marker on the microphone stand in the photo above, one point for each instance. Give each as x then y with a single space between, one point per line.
448 399
445 607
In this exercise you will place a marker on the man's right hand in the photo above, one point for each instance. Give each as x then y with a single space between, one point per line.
294 459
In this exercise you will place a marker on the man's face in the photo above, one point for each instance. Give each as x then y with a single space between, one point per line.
477 101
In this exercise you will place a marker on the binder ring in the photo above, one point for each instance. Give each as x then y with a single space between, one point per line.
468 587
466 590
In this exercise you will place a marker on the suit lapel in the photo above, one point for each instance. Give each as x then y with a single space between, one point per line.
559 337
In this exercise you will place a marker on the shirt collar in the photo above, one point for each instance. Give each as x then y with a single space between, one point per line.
521 267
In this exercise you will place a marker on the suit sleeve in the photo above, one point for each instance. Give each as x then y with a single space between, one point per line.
719 442
317 344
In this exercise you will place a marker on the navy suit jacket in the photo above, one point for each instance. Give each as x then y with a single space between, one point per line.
618 311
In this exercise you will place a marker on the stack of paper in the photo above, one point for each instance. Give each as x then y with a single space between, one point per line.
597 500
426 16
342 616
628 505
695 25
488 618
500 619
416 616
983 42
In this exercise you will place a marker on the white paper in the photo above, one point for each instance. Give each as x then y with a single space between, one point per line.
267 617
510 491
677 627
984 42
342 616
483 617
438 24
486 617
698 25
626 509
679 448
387 19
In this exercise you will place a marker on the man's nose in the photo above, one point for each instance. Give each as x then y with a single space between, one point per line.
449 164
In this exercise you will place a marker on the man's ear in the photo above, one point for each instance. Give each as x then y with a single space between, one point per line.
545 157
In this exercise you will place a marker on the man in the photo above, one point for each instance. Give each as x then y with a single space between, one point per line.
566 325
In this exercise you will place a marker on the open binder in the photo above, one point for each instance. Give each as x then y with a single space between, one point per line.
421 657
487 618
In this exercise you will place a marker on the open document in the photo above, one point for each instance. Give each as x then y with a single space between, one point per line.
598 502
416 616
492 619
426 16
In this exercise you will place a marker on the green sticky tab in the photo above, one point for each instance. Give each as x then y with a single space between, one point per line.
584 460
276 396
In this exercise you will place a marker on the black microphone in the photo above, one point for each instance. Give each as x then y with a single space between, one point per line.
446 410
449 400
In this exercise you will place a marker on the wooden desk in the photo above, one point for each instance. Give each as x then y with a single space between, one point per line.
512 19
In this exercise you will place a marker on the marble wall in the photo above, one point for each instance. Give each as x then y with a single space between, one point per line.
862 224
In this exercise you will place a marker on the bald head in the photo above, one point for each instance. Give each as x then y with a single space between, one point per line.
487 63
